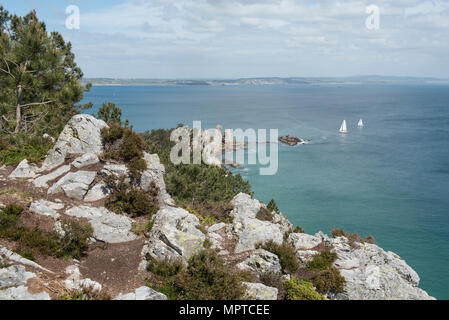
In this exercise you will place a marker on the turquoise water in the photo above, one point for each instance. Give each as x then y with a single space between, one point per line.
389 179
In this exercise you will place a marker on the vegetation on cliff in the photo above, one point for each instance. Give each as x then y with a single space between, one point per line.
39 86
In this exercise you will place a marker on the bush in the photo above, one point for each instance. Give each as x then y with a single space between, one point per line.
15 148
133 201
110 113
123 144
75 241
352 238
322 261
329 281
209 212
32 241
285 252
85 294
274 280
299 229
272 206
205 278
301 290
264 214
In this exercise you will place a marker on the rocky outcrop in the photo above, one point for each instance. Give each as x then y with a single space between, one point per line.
41 182
74 184
13 281
374 274
24 170
81 135
98 192
46 208
261 262
142 293
291 141
14 257
155 173
249 230
108 226
174 236
258 291
74 280
85 160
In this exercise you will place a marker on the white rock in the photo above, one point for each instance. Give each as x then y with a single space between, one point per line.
302 241
142 293
261 261
46 208
14 276
74 281
21 293
41 182
116 170
174 235
82 134
374 274
216 227
249 230
85 160
98 192
8 254
259 291
24 170
108 226
74 184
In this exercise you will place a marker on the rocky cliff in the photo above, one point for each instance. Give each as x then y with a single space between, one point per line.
72 183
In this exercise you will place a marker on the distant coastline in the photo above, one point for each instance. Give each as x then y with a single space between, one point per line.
354 80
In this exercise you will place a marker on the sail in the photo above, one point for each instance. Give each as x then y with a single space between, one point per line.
343 128
360 124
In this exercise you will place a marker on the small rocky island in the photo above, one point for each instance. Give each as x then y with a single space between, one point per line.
292 141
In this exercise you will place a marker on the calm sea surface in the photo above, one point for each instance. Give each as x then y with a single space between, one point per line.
389 179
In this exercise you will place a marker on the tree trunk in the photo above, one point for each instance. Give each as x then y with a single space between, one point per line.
18 109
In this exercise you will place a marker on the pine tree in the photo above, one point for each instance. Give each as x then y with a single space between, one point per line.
39 79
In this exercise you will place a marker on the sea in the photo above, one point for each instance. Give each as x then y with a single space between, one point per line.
389 179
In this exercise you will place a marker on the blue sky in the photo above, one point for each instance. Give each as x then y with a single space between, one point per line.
250 38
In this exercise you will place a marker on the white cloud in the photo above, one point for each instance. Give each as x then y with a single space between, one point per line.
227 38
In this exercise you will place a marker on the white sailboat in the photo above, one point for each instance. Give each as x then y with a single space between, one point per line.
343 128
360 124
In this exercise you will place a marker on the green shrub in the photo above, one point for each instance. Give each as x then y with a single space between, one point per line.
322 261
75 241
264 214
301 290
123 144
15 148
85 294
209 212
206 277
272 206
298 229
31 242
285 252
329 281
110 113
133 201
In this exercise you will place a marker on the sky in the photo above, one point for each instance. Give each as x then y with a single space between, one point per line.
221 39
